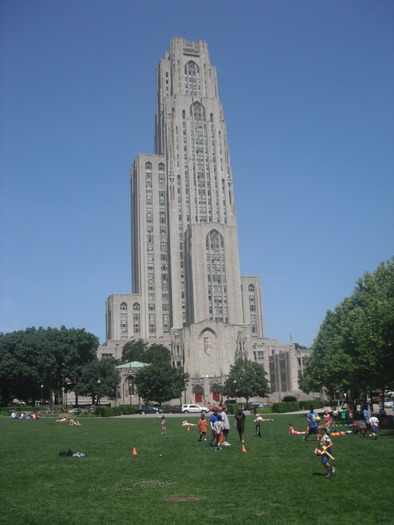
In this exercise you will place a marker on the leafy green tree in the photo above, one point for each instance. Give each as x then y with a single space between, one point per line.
98 378
353 350
246 379
48 357
161 382
157 354
139 350
134 350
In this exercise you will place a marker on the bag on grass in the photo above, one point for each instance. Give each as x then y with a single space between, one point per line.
65 453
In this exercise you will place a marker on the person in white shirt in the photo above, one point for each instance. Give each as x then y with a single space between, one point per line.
374 422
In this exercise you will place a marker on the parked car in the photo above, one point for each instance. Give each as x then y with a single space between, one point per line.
388 402
149 410
173 409
76 411
194 409
252 406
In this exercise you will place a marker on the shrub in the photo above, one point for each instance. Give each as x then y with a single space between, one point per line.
267 410
232 408
128 409
280 408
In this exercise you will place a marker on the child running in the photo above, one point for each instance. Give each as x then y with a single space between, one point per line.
202 427
325 450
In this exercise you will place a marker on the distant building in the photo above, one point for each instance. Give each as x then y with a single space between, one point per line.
187 291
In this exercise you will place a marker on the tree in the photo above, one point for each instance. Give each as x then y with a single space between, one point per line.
161 382
354 347
157 354
98 378
246 379
48 357
140 351
134 350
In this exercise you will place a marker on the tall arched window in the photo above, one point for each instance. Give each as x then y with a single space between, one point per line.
252 309
216 277
200 164
192 78
136 319
124 324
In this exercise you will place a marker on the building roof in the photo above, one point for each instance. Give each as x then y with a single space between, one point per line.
133 364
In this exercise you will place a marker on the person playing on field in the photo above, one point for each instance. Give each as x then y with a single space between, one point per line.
239 424
293 431
212 420
325 444
226 426
374 422
163 425
257 423
327 418
202 427
218 425
312 422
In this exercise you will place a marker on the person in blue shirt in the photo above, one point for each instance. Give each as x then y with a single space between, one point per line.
313 422
212 420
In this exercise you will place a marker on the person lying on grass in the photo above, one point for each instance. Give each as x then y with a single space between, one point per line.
293 431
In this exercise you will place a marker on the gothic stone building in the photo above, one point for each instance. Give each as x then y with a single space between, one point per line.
187 291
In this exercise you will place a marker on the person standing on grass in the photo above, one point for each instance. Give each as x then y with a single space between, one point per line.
374 422
257 422
344 412
327 418
163 425
212 420
202 427
218 425
313 423
367 418
239 424
325 451
226 426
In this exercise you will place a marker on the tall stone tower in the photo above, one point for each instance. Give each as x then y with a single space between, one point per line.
187 291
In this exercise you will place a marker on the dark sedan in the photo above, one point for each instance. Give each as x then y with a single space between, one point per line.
149 410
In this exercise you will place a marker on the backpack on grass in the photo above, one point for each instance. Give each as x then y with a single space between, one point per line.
65 453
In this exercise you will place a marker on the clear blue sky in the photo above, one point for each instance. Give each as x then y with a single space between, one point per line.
307 91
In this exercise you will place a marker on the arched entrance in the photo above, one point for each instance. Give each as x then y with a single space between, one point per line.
198 392
215 393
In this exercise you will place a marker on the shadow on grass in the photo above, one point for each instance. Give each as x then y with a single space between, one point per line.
388 433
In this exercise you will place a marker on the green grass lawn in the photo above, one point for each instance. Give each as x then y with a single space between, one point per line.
278 480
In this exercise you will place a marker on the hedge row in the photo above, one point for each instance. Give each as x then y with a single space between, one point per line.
295 406
116 411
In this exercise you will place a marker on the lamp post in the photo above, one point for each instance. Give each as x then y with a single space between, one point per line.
42 395
98 395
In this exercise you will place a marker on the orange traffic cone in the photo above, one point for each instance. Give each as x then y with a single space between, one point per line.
134 451
243 448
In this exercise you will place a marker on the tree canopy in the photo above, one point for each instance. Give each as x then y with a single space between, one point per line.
54 358
354 347
139 350
161 382
246 379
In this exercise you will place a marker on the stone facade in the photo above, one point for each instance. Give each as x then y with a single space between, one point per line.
187 291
